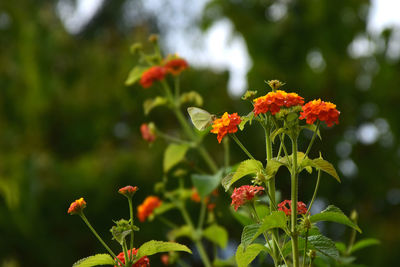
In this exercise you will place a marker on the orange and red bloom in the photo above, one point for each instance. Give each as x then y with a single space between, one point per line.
77 206
286 207
273 102
148 133
147 207
155 73
226 124
128 190
142 262
175 66
244 194
323 111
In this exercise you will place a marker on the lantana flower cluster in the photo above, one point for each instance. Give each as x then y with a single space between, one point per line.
147 207
244 194
286 207
142 262
226 124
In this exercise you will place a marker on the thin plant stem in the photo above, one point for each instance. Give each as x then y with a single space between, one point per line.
174 139
280 251
282 140
305 250
280 146
202 214
241 146
98 237
315 191
125 250
131 217
312 139
294 196
177 90
167 222
226 152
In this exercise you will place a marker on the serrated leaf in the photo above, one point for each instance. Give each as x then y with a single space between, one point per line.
174 154
272 167
246 119
277 219
250 166
149 104
205 184
324 245
249 234
152 247
326 167
364 243
245 257
185 230
95 260
334 214
216 234
134 75
201 118
192 97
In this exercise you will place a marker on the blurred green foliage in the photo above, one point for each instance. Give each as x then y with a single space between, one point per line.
69 126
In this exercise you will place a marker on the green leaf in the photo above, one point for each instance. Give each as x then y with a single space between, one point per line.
149 104
173 155
341 247
163 208
152 247
364 243
277 219
216 234
185 230
245 257
312 127
134 75
244 119
272 167
334 214
324 245
95 260
226 181
192 97
201 118
249 234
321 164
250 166
205 184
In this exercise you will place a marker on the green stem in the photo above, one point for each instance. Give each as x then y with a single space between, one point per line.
98 237
226 152
312 139
294 196
241 146
351 242
174 139
177 90
280 251
131 216
315 191
202 214
282 140
125 250
305 249
167 222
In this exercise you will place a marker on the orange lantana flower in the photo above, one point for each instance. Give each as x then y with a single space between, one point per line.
175 66
226 124
273 102
147 207
77 206
151 75
286 207
323 111
142 262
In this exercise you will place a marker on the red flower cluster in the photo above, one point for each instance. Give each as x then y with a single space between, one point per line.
286 207
77 206
147 207
155 73
273 102
148 133
323 111
243 194
195 197
128 190
142 262
175 66
226 124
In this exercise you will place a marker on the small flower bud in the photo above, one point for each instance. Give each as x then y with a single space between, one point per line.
136 47
307 223
312 254
249 95
354 216
275 84
148 132
128 191
153 38
77 206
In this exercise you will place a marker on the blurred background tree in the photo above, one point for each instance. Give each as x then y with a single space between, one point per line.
69 126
